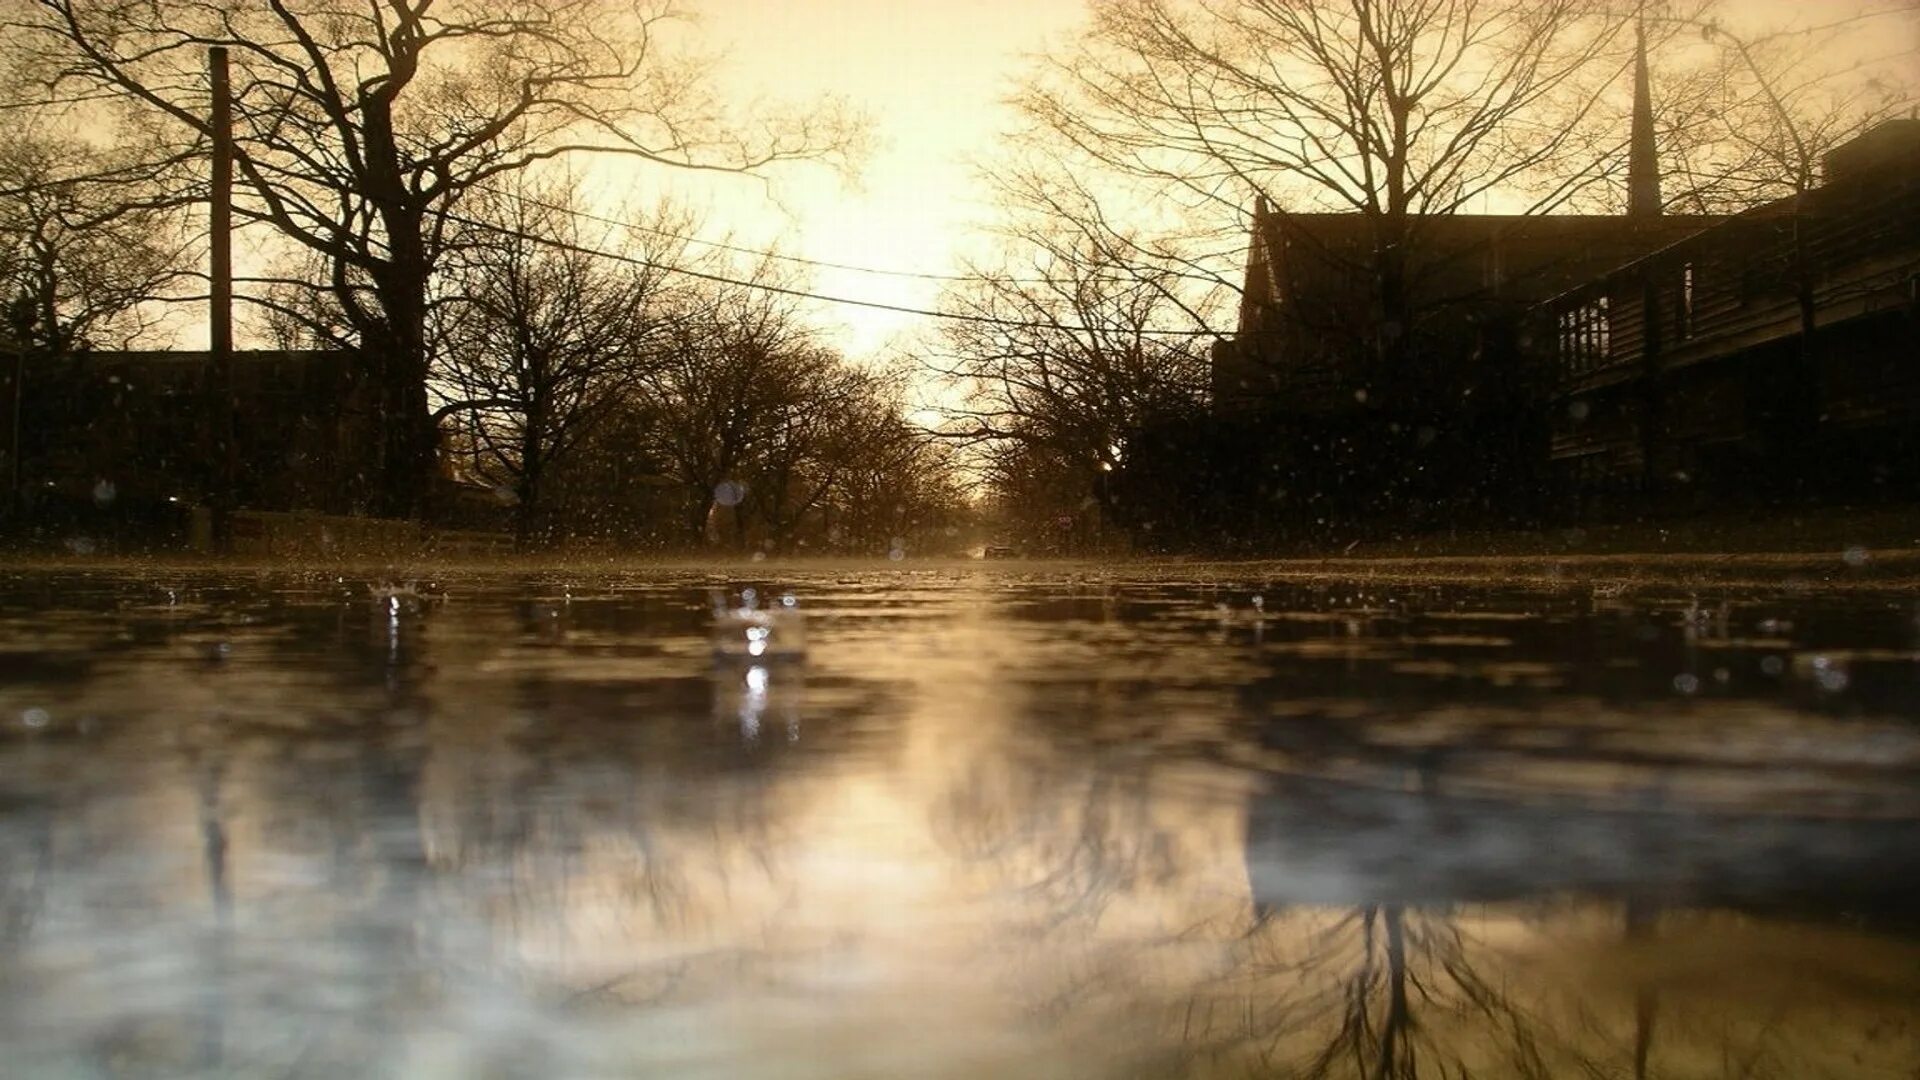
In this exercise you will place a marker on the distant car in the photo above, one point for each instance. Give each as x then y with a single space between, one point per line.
999 551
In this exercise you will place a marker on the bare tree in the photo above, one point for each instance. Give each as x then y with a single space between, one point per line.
774 439
832 416
1082 337
612 488
358 126
736 366
86 243
1399 111
865 479
537 337
1752 118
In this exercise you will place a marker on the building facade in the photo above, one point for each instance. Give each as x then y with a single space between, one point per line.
1774 356
1309 316
128 441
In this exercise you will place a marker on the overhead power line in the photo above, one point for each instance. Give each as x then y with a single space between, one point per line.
764 253
803 294
587 215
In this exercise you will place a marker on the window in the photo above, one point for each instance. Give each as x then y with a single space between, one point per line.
1586 337
1686 301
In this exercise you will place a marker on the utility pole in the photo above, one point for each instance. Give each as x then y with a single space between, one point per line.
220 301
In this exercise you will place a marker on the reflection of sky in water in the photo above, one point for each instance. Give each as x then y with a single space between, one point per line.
983 825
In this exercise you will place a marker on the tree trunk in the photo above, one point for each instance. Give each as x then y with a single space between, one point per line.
527 522
1801 431
533 463
1399 1018
699 515
408 433
397 364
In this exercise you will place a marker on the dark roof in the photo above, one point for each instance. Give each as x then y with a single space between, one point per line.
1521 257
1887 146
1864 176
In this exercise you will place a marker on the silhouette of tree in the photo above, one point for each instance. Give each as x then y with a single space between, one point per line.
1398 111
535 341
86 241
357 127
734 365
1089 345
888 479
1753 120
842 454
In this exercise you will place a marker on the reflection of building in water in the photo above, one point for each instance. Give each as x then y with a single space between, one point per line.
522 828
1314 841
1400 931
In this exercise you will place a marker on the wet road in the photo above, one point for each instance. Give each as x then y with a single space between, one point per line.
954 822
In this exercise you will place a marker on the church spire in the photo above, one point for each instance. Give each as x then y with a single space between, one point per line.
1643 160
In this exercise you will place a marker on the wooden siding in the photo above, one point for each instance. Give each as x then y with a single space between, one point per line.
1706 368
1307 314
1861 258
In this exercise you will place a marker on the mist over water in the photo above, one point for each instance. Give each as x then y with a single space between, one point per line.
1102 821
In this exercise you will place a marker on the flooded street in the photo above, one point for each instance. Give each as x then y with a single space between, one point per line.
963 821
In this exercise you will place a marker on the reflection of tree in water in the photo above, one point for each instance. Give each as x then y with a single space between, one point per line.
26 860
336 786
1074 809
1382 966
492 852
1526 961
581 847
1067 858
526 853
245 826
1068 838
1080 843
622 832
1381 990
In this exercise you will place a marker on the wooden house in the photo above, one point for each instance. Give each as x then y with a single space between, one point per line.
1308 316
1319 434
1774 355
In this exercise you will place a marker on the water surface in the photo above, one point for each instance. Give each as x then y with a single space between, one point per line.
1069 821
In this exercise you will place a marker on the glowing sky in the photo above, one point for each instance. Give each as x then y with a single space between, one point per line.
931 76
